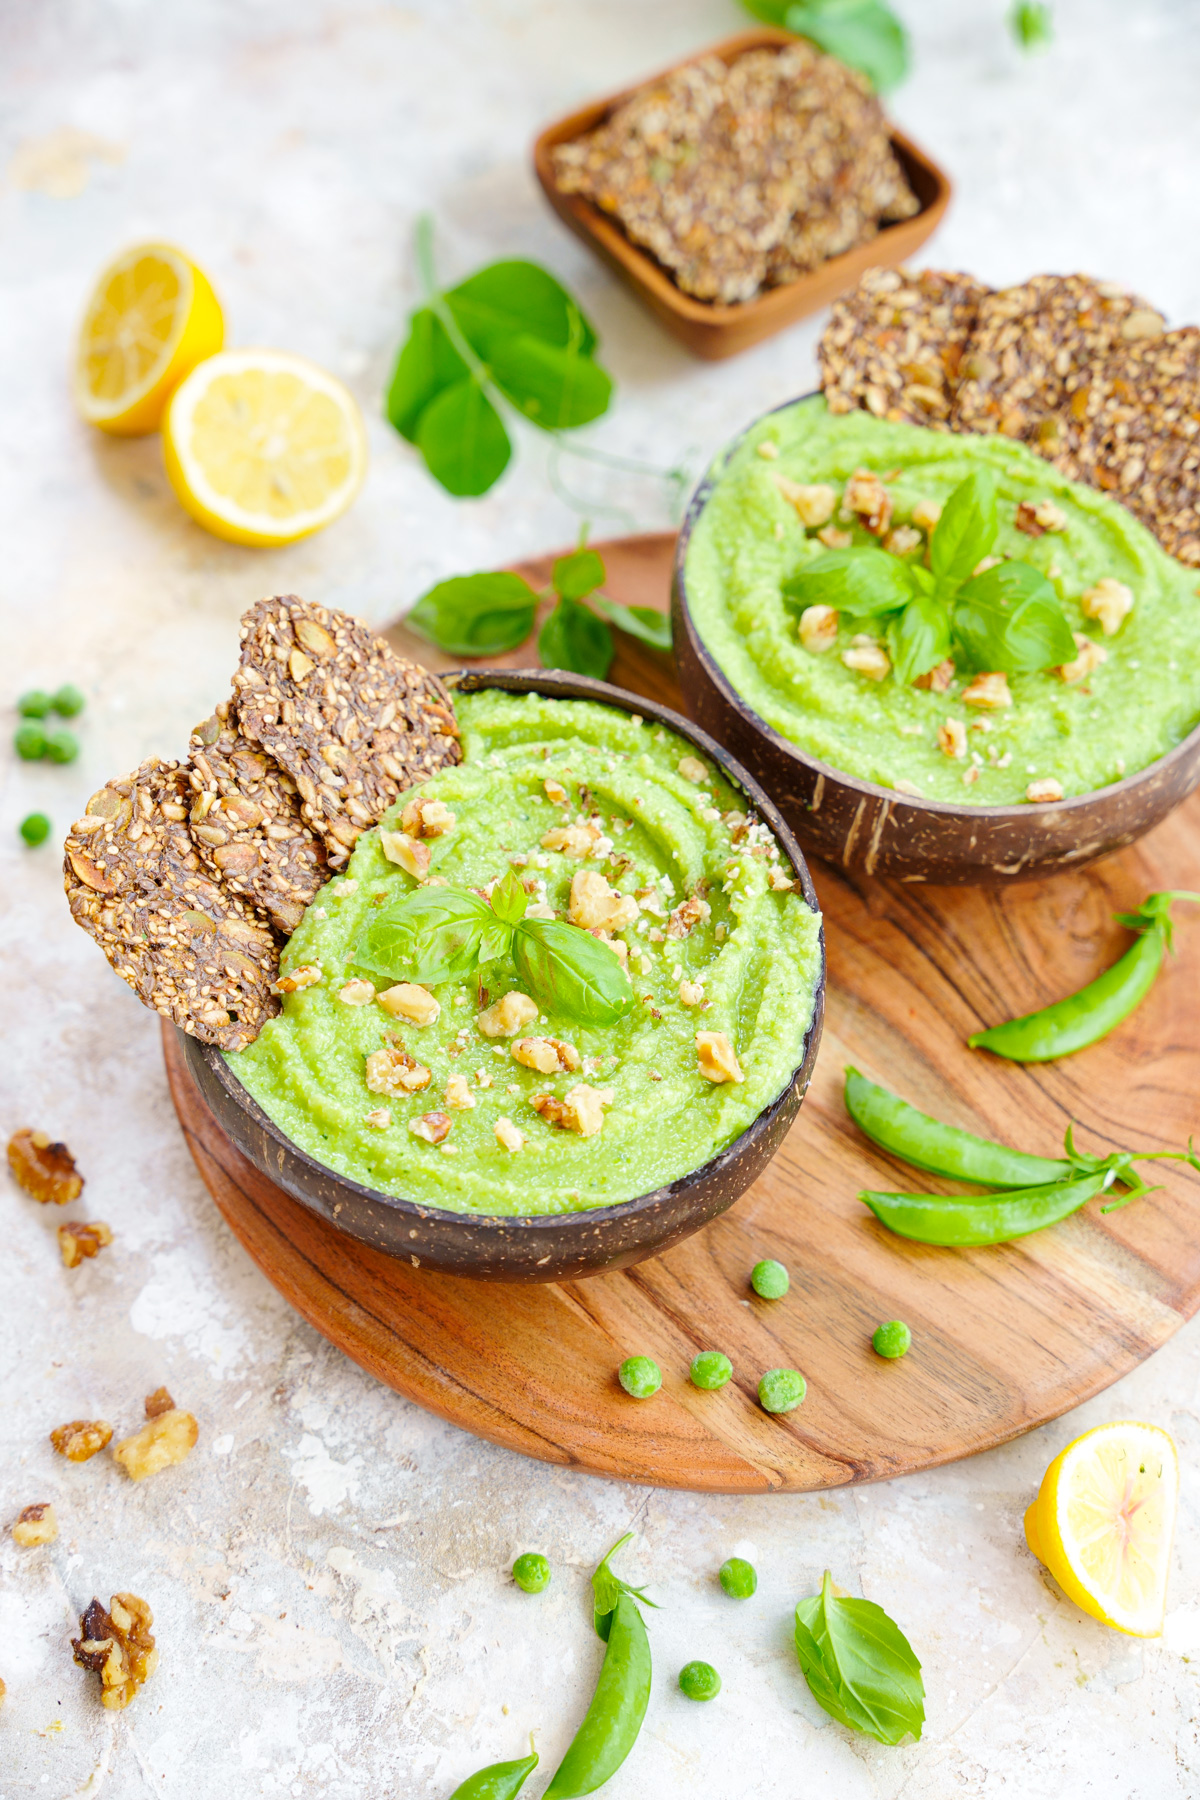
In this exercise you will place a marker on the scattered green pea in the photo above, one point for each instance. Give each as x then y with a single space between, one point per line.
62 746
710 1369
640 1376
738 1578
34 828
699 1681
892 1340
531 1572
781 1390
769 1280
69 701
35 704
29 742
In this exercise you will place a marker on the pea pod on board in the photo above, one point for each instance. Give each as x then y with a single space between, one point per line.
1085 1017
942 1149
961 1222
499 1781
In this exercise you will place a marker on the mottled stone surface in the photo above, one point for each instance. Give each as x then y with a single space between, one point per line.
328 1570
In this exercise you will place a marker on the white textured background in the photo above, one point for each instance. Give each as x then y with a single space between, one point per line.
328 1571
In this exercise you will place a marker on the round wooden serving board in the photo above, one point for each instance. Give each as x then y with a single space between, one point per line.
1003 1339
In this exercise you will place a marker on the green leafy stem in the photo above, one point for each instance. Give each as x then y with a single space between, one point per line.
865 34
446 933
1006 618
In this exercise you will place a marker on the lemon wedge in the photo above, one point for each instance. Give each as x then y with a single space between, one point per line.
151 318
1103 1522
263 447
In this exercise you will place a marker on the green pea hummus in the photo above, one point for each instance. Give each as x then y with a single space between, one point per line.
1137 703
746 942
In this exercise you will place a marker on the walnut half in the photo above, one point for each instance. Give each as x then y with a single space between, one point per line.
81 1438
77 1241
45 1170
118 1644
168 1436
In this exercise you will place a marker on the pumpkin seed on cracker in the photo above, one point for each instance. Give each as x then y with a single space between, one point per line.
185 944
894 344
351 722
246 825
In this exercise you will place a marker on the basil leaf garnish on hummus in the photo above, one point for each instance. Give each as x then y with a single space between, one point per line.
919 637
861 582
569 971
1009 618
509 900
431 935
967 529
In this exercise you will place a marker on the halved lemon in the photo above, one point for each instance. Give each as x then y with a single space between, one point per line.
263 447
151 318
1103 1522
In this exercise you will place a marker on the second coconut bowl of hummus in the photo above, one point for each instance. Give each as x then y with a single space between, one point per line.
510 1131
970 773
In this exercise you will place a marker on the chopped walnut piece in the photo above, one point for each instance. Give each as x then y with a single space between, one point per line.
1089 656
77 1241
687 914
572 840
1110 602
119 1646
834 538
690 993
990 690
506 1017
549 1056
36 1525
158 1402
408 853
717 1057
818 628
867 657
458 1093
357 993
306 976
45 1170
866 495
379 1118
508 1137
427 819
970 776
985 563
902 540
814 501
778 882
432 1126
937 680
165 1438
408 1001
596 906
556 793
1041 791
581 1109
926 514
692 769
81 1438
768 450
391 1070
1037 520
952 738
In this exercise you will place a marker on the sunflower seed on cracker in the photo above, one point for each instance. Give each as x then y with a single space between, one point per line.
186 946
351 722
246 825
893 345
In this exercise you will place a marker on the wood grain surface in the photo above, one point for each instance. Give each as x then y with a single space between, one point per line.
1003 1338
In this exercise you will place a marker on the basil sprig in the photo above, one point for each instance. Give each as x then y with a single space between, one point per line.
444 933
487 614
865 34
859 1665
1008 617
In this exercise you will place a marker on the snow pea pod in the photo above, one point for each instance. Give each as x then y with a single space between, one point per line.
942 1149
499 1781
1083 1018
614 1718
960 1222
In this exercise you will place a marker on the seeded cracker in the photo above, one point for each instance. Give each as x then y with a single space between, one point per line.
893 346
351 722
246 825
1029 343
186 945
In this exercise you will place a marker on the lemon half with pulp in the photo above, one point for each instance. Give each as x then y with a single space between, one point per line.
151 318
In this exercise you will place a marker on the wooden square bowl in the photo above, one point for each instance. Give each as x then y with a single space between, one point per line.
716 331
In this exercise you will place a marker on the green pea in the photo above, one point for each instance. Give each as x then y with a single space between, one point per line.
699 1681
62 746
531 1572
710 1369
34 828
781 1390
69 701
29 742
640 1376
35 704
892 1340
738 1578
769 1280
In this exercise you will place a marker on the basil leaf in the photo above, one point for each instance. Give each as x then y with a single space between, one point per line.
495 942
576 575
430 935
967 529
476 615
575 639
863 1669
1032 24
861 582
512 297
464 444
864 33
427 364
644 623
1009 618
568 971
509 899
556 388
918 637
